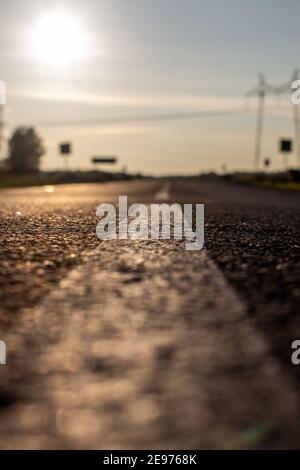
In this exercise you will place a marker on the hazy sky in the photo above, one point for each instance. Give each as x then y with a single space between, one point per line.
149 57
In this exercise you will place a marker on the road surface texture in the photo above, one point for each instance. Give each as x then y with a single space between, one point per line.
141 344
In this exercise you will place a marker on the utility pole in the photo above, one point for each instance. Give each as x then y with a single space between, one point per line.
260 116
261 91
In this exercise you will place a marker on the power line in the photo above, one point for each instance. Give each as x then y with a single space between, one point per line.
261 91
145 118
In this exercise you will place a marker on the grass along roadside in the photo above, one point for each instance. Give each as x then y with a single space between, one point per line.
282 185
282 182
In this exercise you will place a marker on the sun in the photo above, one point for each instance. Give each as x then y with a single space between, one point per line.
58 39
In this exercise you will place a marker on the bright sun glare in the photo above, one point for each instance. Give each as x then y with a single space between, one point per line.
58 39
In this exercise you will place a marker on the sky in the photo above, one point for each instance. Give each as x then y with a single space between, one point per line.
152 57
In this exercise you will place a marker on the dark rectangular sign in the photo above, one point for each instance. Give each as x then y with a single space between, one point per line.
65 149
286 145
104 160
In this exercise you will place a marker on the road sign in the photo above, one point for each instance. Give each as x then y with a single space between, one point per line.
65 148
286 145
104 160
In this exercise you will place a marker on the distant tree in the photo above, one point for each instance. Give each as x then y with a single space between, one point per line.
25 150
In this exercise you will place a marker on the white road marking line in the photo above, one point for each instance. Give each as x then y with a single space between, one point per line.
163 194
144 347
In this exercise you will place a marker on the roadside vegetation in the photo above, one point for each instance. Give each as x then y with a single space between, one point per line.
287 181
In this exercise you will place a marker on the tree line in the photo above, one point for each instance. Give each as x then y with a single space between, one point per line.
25 150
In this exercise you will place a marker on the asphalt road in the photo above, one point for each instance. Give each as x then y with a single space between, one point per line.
142 344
